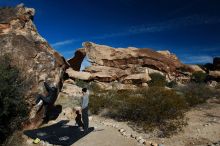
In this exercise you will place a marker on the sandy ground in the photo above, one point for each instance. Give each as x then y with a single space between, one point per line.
101 136
203 127
104 136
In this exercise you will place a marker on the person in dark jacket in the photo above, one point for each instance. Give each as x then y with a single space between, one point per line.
49 99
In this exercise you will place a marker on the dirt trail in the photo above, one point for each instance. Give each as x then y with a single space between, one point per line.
203 128
101 136
104 136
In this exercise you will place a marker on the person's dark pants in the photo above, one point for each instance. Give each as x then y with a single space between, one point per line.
85 118
46 101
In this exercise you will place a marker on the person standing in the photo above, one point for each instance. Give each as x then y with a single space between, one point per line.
85 108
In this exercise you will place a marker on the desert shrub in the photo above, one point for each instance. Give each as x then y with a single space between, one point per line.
217 86
197 93
98 102
157 80
94 87
183 69
199 77
12 105
171 84
81 83
149 109
209 66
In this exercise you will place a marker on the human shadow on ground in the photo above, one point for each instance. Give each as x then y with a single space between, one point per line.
58 134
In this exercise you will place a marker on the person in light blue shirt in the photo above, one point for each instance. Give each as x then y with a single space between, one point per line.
85 108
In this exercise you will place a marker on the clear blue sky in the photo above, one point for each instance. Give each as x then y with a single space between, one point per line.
188 28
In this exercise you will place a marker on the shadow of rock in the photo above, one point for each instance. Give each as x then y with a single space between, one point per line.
54 112
59 133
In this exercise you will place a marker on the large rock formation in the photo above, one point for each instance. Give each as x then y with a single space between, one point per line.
214 75
195 68
70 95
124 58
31 53
126 65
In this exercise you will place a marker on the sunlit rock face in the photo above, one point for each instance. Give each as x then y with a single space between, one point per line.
31 53
128 65
124 58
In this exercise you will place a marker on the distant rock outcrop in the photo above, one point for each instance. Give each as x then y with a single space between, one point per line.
213 69
215 73
125 58
195 68
127 65
31 53
216 63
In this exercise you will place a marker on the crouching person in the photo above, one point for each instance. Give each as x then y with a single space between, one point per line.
78 120
47 100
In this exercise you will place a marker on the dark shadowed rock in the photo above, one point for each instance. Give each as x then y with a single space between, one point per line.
216 63
76 62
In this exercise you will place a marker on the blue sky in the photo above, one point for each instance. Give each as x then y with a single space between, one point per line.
188 28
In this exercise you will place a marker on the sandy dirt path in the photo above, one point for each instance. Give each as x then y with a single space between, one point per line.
104 136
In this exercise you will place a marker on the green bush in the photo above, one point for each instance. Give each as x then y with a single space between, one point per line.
171 84
199 77
81 83
12 105
217 86
197 93
152 108
157 80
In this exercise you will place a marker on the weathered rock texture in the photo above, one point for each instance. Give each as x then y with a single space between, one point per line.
215 75
129 57
70 95
126 65
195 68
76 62
31 53
79 75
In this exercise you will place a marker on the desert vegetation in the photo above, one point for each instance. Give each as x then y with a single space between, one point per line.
199 77
155 107
12 105
157 80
